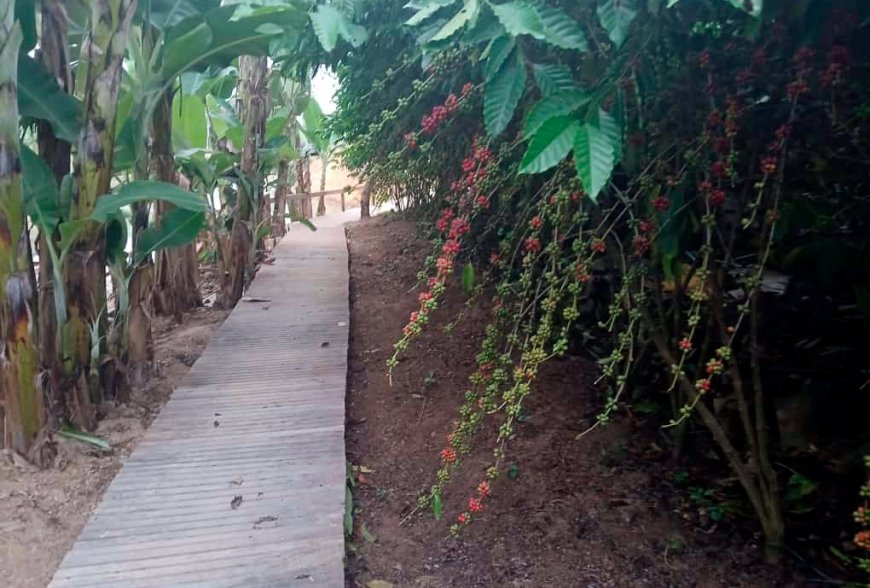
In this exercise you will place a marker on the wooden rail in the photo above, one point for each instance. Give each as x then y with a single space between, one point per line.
299 196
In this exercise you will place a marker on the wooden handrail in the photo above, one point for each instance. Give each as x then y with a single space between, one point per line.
307 195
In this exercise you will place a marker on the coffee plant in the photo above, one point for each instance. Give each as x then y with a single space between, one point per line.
683 179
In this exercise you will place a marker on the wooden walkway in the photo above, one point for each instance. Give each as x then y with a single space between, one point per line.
240 480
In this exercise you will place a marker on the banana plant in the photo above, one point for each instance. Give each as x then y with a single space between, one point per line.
316 130
24 411
41 195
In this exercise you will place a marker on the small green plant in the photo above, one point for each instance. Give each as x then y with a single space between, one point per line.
708 501
798 498
675 544
680 478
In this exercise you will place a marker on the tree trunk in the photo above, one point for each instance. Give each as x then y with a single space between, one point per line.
280 206
84 272
321 203
303 177
365 200
19 364
177 274
54 55
254 108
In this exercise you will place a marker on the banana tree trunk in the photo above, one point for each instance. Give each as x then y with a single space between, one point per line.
19 364
54 55
321 204
85 270
303 177
177 273
280 206
254 108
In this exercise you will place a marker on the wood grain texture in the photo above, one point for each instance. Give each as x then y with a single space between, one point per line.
260 415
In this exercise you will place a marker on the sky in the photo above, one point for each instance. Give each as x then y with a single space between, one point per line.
323 87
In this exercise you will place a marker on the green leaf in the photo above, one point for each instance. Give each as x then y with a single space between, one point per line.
437 506
498 51
613 129
69 232
553 78
560 29
25 14
754 8
222 116
324 20
178 51
468 279
483 31
550 106
220 83
146 190
503 93
354 34
367 535
329 24
467 14
116 240
348 511
428 10
166 13
189 122
616 17
176 227
275 126
519 18
550 145
314 121
39 189
301 220
40 97
349 8
593 152
228 35
70 433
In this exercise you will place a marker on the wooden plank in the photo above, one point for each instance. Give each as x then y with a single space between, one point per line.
261 415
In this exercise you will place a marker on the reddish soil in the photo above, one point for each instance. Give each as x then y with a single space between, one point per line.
43 511
599 511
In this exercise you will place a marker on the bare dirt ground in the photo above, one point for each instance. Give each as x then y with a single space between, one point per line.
597 512
42 512
337 177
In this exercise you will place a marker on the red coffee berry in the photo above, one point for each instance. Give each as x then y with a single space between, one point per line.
451 247
661 203
532 245
448 454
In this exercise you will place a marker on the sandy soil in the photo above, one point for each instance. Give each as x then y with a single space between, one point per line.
597 512
43 511
337 177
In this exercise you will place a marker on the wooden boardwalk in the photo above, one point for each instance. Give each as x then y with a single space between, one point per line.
240 480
